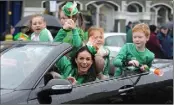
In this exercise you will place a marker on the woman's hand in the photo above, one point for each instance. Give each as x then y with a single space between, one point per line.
72 80
134 63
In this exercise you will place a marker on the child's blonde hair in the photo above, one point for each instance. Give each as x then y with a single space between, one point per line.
91 31
36 15
142 27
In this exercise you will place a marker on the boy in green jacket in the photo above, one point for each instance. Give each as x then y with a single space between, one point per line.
135 53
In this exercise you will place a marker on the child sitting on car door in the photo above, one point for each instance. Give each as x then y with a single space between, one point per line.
96 39
41 33
135 53
71 32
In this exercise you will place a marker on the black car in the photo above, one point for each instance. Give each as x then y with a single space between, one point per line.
25 67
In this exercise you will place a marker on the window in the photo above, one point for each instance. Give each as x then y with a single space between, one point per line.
115 41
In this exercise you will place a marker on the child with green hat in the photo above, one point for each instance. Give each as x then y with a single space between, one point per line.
70 33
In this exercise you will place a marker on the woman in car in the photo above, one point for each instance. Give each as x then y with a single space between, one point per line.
81 68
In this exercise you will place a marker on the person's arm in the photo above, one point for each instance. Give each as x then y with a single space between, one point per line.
118 60
44 36
64 66
77 41
60 36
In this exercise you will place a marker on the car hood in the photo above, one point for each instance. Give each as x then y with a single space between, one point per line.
162 63
12 96
6 91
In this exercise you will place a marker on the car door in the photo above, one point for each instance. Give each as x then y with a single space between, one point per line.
153 89
97 92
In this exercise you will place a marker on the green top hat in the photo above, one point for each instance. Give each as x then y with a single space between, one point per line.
70 9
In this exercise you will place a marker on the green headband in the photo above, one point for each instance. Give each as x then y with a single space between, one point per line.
92 49
69 10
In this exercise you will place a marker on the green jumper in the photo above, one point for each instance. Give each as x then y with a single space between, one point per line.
74 37
67 69
129 52
44 36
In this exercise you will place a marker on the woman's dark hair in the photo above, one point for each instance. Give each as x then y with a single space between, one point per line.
152 28
84 48
92 74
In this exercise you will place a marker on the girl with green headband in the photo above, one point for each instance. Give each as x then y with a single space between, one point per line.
102 61
70 33
81 67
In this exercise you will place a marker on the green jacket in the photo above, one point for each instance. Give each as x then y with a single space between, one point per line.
129 52
21 36
73 37
45 36
66 69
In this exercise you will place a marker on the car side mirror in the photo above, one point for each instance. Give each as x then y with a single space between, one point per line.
56 86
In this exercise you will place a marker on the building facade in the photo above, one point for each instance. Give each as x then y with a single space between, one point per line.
113 15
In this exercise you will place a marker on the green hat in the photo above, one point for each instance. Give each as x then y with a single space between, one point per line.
68 8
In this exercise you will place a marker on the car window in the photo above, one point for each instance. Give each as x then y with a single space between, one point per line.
53 71
117 41
19 62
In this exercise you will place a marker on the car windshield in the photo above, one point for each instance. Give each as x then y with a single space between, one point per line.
115 41
19 62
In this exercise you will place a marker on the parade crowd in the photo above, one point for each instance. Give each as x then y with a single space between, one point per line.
89 59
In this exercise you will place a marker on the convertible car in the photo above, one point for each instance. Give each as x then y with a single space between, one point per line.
25 67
